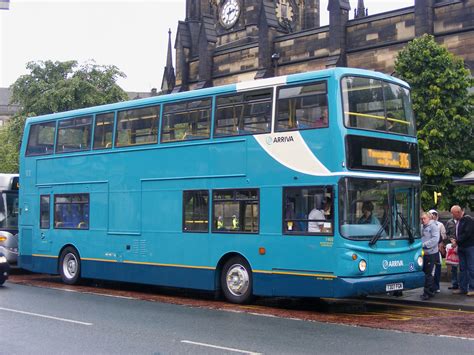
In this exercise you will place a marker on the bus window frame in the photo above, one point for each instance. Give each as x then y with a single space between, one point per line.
234 190
58 129
243 93
68 195
49 212
304 83
332 189
184 230
114 122
185 102
29 135
157 106
341 88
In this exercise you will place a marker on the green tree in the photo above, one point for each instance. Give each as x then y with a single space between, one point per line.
443 106
54 87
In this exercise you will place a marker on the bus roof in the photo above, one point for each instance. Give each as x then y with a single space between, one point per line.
337 73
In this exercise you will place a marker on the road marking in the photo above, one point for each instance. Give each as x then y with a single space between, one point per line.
220 347
44 316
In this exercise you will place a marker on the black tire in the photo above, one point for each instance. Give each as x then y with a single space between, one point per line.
237 281
70 266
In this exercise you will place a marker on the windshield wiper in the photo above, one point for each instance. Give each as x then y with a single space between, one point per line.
411 239
379 233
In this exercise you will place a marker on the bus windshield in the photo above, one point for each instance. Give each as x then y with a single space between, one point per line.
384 208
9 210
377 105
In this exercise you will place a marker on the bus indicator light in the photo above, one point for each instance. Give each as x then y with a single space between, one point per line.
262 251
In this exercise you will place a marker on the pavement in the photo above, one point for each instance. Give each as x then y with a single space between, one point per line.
444 299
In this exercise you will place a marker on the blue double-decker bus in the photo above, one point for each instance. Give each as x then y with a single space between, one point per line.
299 185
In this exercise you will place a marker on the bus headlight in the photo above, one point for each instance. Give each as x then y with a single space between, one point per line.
362 265
420 261
3 259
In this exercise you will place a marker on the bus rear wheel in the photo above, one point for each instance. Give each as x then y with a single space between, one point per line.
237 281
70 266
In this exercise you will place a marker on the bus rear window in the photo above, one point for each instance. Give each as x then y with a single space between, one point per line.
377 105
41 139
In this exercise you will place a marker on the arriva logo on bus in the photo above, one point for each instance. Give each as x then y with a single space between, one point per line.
285 139
392 263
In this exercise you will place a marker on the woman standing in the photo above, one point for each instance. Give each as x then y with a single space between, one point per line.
430 239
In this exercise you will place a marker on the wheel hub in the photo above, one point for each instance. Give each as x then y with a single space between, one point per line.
237 280
70 266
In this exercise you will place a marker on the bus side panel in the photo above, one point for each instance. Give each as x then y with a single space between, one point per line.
25 260
152 274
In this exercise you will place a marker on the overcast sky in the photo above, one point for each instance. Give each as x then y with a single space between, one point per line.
131 34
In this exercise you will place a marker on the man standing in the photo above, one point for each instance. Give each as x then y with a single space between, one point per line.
465 242
442 239
451 234
430 239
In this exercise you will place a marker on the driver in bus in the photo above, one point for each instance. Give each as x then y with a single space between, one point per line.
367 214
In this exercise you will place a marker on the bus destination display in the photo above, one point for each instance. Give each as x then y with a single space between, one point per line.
385 158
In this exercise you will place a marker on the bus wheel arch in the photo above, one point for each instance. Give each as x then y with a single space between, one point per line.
235 278
69 265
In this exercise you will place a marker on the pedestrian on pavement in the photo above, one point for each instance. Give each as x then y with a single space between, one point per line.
430 239
441 247
465 242
451 234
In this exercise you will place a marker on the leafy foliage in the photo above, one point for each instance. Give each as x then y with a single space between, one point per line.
444 110
55 87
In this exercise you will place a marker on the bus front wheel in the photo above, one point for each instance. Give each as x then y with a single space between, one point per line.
236 281
70 266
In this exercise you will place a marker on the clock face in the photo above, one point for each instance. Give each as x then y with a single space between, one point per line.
230 12
285 12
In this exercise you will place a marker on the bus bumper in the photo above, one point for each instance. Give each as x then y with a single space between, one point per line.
354 287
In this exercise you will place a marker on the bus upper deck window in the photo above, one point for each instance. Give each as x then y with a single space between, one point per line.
302 107
41 139
375 104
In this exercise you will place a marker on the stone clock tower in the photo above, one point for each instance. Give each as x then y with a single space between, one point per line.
224 41
228 41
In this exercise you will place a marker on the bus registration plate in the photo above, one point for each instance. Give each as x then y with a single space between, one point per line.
394 287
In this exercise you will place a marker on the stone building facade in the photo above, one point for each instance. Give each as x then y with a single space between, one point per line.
228 41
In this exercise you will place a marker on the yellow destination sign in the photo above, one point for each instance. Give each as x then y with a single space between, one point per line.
385 158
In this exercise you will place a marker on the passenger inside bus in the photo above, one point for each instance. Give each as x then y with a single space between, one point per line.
322 120
316 216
